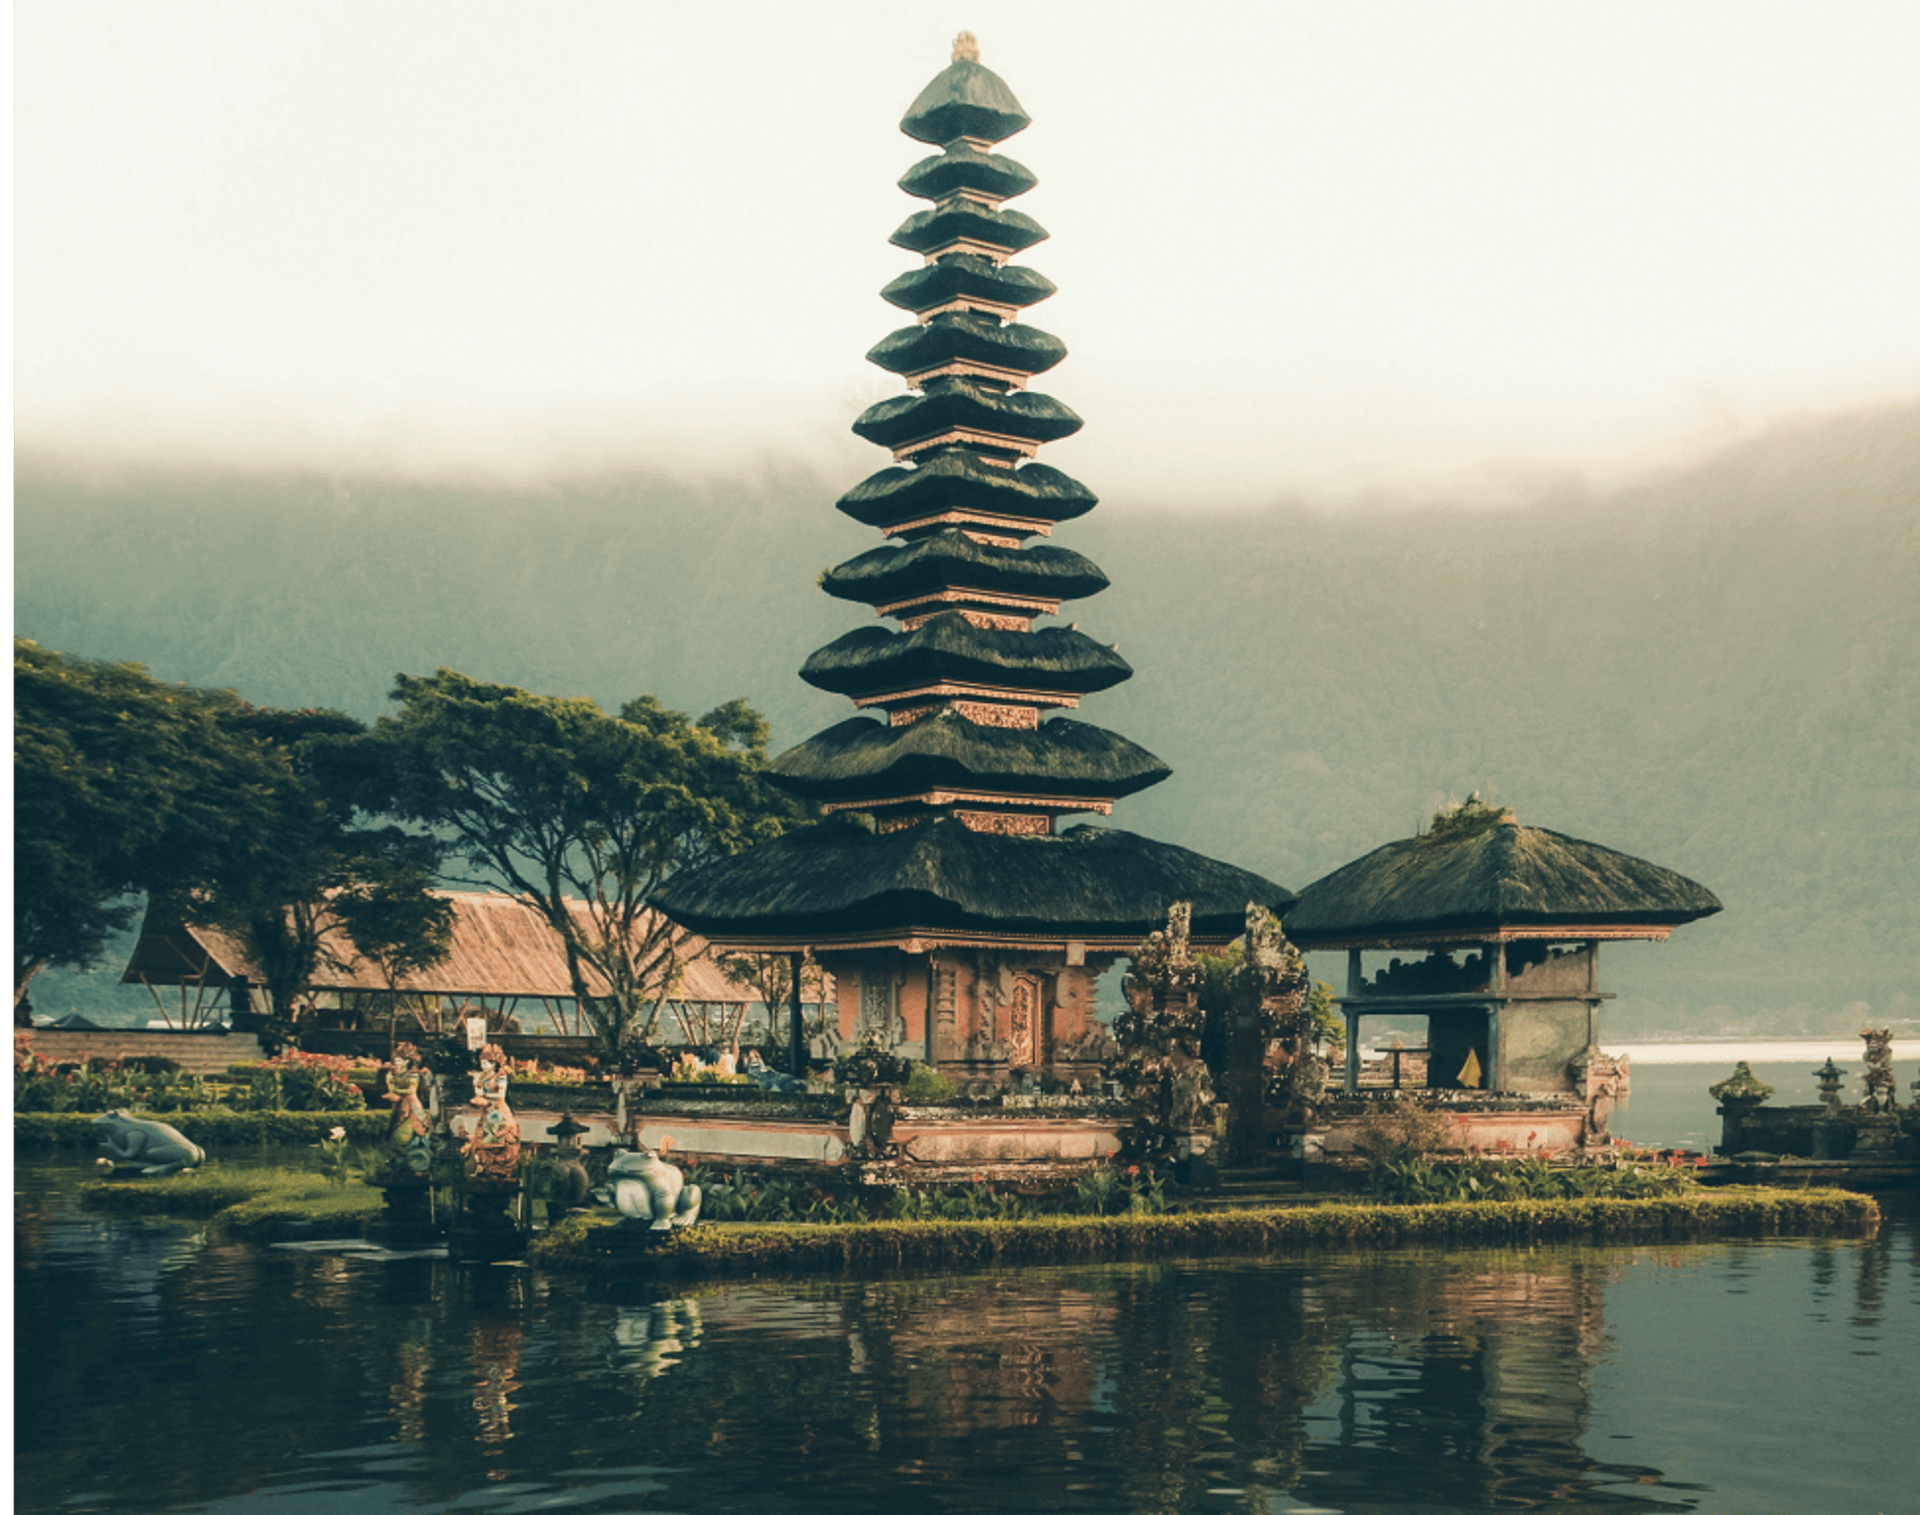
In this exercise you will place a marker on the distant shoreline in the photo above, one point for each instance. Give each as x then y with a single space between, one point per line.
1739 1049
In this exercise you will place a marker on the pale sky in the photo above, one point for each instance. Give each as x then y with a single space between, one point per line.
1302 248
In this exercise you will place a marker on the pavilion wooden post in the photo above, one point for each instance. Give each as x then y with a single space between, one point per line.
1356 981
796 1021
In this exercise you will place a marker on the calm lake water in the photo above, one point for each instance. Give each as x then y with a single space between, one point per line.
158 1371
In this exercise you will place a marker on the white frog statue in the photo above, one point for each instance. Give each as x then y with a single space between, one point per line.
644 1187
151 1146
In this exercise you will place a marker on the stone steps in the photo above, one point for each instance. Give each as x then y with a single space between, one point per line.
1248 1189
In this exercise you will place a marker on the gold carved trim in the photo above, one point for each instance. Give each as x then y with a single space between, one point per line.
1020 524
1003 823
973 691
941 798
1014 717
973 618
1010 377
1025 602
987 250
1007 314
968 436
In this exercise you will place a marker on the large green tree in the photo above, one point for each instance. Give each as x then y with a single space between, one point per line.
221 811
579 815
122 785
311 886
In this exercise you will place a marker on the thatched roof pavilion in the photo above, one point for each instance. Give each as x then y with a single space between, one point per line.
1500 880
1511 918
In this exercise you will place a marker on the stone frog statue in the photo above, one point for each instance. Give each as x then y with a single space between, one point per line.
642 1187
152 1146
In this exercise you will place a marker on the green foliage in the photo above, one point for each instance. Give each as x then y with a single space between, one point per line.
581 814
889 1244
122 784
102 1084
927 1084
1412 1180
1404 1128
768 1199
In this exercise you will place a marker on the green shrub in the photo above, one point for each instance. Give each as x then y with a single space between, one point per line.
1415 1181
927 1084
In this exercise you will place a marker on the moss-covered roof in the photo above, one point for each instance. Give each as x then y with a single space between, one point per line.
928 231
863 759
957 480
954 402
837 879
965 168
1489 876
964 100
970 276
952 559
951 649
966 337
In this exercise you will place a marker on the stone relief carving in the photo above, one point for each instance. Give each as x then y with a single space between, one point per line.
1001 824
1016 717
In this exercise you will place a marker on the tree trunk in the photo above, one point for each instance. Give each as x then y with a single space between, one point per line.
21 978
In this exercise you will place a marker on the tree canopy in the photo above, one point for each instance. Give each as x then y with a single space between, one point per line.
579 814
124 785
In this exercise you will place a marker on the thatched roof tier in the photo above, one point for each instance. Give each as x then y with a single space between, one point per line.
863 759
964 100
967 276
957 404
1025 500
835 881
963 337
968 226
949 649
962 167
951 559
1500 877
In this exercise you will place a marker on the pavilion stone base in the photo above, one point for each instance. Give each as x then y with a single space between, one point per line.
878 1140
1550 1126
981 1016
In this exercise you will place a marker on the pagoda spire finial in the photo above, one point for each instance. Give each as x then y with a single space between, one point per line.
966 48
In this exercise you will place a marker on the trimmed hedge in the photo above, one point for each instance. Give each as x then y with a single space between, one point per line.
582 1241
207 1128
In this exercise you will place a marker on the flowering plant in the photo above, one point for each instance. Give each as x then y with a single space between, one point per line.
334 1156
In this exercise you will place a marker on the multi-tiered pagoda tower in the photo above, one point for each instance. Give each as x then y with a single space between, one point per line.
958 916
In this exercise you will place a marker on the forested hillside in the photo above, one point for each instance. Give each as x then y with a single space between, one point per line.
1716 669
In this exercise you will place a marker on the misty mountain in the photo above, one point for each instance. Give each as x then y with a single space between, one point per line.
1715 669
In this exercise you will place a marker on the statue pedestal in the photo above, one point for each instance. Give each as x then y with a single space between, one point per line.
487 1229
406 1219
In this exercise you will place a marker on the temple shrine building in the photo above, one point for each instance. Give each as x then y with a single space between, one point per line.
962 904
1502 926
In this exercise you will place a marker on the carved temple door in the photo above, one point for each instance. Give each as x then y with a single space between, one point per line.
1026 1030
